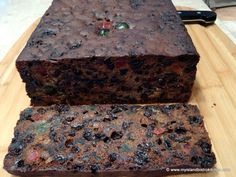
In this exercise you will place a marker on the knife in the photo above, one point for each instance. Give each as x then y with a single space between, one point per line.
205 17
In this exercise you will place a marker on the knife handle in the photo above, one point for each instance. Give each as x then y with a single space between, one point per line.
201 16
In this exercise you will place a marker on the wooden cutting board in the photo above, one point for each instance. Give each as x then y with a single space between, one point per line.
214 93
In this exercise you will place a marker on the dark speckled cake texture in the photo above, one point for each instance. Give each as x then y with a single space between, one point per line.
96 51
130 140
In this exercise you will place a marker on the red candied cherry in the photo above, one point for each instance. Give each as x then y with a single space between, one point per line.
159 131
32 156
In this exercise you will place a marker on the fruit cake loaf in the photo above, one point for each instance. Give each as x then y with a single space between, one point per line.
95 51
130 140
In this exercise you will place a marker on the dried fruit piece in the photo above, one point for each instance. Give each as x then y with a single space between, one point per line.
141 157
26 114
126 125
103 32
88 135
159 131
32 156
116 135
122 25
112 157
94 168
125 148
195 119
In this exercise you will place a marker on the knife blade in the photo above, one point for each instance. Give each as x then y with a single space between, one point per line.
192 16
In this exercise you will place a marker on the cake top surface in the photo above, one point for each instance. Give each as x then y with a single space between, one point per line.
109 137
116 28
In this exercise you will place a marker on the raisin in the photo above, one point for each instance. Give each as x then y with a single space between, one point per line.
60 158
206 147
49 32
208 161
69 143
50 90
77 126
85 112
167 144
148 112
106 139
74 45
195 119
157 151
94 168
136 64
141 157
88 134
135 168
77 167
70 118
169 160
112 157
107 164
205 162
20 163
123 72
16 148
112 115
75 149
159 141
150 129
180 130
135 4
151 126
197 160
116 135
62 108
56 53
174 137
110 65
29 138
177 155
26 114
72 133
145 146
116 109
144 125
126 125
53 135
100 136
41 111
106 119
149 133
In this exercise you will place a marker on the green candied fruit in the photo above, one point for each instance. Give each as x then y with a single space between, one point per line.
129 112
92 107
56 122
103 32
121 26
26 114
42 127
125 148
96 157
130 136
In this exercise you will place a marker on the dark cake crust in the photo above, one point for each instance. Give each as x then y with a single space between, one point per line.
126 51
130 140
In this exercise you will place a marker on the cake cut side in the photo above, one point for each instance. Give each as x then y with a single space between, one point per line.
109 139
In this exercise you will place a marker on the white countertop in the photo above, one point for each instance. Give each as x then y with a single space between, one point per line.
18 15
